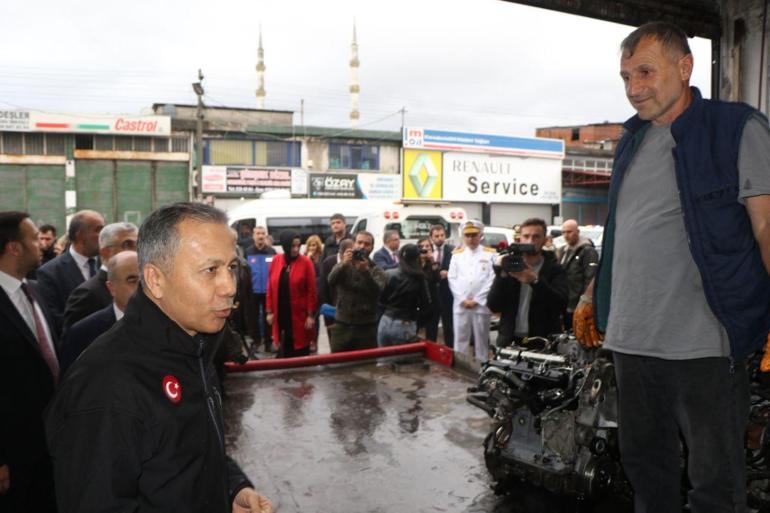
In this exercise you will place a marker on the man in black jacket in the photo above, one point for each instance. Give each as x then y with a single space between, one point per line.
137 423
579 259
530 302
339 229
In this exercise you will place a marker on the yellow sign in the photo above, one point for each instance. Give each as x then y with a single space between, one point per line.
422 174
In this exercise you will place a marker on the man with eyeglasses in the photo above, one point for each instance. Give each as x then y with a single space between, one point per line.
470 278
93 294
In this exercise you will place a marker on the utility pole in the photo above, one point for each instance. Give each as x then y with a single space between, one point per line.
198 88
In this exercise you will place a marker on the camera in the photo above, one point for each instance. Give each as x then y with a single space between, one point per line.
358 255
512 260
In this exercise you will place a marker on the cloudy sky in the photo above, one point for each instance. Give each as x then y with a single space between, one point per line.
483 66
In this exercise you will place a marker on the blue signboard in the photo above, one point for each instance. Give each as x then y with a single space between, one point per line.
442 140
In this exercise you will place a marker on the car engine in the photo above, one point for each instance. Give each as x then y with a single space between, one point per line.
553 406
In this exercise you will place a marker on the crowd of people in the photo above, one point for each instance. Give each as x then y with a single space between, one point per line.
108 349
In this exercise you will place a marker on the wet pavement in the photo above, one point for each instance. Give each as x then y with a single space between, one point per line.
397 437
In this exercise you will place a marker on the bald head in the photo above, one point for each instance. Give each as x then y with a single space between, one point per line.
123 277
84 230
571 232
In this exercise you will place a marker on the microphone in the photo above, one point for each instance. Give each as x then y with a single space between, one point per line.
503 244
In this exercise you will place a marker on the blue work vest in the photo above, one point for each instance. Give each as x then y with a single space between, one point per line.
719 233
260 267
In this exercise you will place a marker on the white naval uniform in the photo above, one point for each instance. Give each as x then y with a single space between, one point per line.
470 277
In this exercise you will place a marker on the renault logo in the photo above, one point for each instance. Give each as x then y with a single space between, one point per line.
423 175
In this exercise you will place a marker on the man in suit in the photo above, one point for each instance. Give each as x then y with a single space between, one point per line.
442 254
93 295
59 277
387 256
28 372
122 280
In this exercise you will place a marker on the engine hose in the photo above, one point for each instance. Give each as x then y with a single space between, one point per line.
509 377
475 401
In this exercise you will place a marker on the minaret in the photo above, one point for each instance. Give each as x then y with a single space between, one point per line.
354 89
261 73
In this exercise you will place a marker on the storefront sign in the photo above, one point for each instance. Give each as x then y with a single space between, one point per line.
244 180
422 175
34 121
423 138
354 186
469 177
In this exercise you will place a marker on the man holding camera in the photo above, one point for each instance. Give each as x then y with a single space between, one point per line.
470 276
359 283
530 288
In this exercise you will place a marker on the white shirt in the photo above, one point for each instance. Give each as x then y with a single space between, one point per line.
12 288
82 262
118 312
471 276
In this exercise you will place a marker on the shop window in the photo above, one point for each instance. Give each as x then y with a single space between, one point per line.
354 156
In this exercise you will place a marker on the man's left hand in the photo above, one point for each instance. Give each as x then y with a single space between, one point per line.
309 323
361 265
527 276
764 365
249 501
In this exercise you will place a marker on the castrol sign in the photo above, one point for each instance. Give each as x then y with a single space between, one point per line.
35 121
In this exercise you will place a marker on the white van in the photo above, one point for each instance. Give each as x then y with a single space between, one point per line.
412 220
306 216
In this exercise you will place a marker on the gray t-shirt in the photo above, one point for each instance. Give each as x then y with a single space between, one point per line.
657 304
525 299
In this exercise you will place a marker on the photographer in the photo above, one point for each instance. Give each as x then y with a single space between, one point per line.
359 283
530 300
406 299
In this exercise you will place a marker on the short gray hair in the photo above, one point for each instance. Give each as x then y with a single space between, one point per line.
158 239
671 37
109 234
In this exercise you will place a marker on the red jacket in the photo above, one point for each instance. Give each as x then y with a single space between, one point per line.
302 286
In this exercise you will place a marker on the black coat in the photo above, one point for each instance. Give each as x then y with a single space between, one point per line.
548 300
56 281
332 247
326 293
90 296
118 439
80 335
26 388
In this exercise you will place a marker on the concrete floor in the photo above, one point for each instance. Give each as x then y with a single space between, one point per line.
387 438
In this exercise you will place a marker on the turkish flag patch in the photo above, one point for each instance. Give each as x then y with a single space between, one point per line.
172 388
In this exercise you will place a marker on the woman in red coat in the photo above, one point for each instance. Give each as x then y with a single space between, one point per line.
291 298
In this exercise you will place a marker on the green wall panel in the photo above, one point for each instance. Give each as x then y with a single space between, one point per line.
172 183
135 191
12 188
95 186
45 195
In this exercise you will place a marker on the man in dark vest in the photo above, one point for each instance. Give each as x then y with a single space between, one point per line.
682 292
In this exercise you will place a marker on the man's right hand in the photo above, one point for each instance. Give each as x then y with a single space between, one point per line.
347 256
5 479
443 274
584 325
269 319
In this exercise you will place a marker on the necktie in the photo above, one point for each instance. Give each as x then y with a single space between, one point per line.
440 255
46 348
91 267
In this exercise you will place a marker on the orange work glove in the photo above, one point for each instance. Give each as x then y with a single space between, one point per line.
764 365
583 324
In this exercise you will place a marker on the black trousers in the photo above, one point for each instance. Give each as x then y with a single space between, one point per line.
706 400
263 329
444 313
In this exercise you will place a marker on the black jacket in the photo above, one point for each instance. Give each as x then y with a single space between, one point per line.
56 281
26 387
81 334
549 298
90 296
406 297
332 247
118 440
580 266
